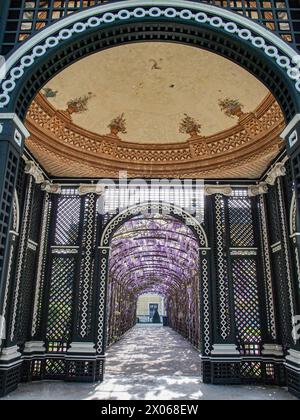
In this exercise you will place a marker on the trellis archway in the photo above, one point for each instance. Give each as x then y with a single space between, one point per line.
158 254
45 54
204 260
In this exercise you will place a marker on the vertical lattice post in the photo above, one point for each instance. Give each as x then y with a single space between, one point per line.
291 135
271 334
12 136
101 294
205 312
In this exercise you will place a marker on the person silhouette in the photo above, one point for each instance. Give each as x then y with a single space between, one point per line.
156 317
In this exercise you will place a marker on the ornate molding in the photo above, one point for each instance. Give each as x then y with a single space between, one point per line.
51 188
91 189
277 171
218 189
254 190
65 149
32 169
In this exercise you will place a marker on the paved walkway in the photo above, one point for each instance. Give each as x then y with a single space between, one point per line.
149 363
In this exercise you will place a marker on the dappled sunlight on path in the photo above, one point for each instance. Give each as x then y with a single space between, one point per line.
148 363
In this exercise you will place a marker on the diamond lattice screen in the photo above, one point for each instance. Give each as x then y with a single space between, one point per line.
67 224
247 314
61 298
240 222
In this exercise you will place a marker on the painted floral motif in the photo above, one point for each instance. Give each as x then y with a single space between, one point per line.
231 107
79 105
190 126
118 125
50 93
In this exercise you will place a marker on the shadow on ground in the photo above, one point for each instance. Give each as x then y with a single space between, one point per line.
149 363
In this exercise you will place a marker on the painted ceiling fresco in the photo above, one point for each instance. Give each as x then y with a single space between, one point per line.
153 92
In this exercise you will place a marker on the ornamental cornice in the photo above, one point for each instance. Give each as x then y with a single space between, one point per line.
277 171
91 189
51 188
32 169
254 190
218 189
55 139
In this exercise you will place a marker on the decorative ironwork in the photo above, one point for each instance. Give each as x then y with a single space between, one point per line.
87 271
222 267
247 315
29 17
241 222
40 277
21 255
267 268
60 303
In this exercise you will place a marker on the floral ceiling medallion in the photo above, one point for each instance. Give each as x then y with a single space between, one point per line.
231 107
190 126
118 125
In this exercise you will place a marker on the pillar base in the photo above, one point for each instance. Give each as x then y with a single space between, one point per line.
10 370
64 367
293 372
242 370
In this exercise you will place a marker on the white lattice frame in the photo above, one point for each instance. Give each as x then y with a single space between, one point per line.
41 263
22 254
206 305
104 245
167 207
88 264
224 327
267 266
285 248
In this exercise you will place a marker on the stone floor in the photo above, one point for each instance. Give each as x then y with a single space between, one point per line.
149 363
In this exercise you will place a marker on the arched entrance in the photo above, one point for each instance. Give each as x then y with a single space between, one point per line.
156 239
236 223
155 254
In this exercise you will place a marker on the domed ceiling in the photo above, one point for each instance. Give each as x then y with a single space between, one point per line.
154 85
155 110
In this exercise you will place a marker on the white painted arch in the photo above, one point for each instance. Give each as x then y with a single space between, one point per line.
135 210
259 37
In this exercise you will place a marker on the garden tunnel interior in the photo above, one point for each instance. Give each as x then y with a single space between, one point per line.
75 284
154 254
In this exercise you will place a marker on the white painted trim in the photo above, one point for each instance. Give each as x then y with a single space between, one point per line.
293 202
276 244
9 353
242 248
259 36
295 234
294 357
225 350
290 126
17 121
34 347
86 347
235 17
272 350
171 206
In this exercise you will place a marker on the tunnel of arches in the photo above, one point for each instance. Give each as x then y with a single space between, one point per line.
154 254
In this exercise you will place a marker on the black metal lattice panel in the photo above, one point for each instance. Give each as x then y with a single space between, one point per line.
26 297
67 223
241 222
26 17
60 301
273 216
36 213
9 172
246 300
